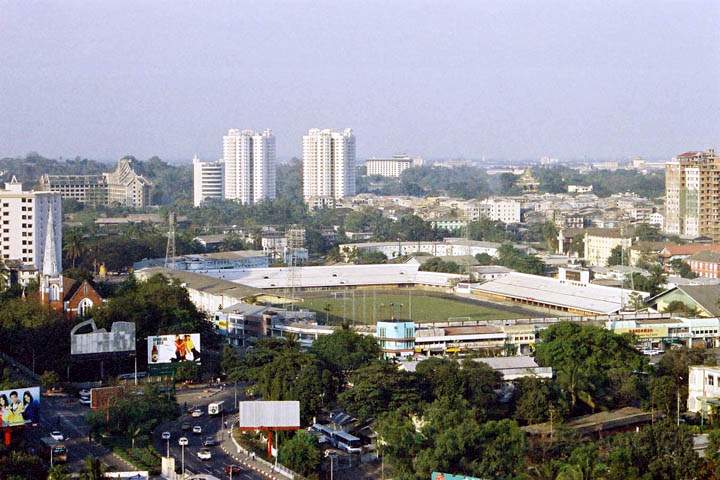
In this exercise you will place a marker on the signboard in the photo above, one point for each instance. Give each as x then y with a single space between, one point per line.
657 331
101 398
19 406
120 338
258 415
173 348
136 475
450 476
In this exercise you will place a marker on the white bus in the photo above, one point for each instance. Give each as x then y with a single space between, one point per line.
346 442
216 408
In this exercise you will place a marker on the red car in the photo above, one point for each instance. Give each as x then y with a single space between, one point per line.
231 469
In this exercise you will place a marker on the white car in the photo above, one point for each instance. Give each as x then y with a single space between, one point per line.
204 454
197 413
85 400
56 435
197 429
84 392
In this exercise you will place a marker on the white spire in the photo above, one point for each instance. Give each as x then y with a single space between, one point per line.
50 263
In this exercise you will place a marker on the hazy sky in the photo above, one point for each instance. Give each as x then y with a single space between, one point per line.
501 79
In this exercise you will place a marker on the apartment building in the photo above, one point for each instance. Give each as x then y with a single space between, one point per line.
31 226
390 167
692 195
123 186
328 166
705 264
506 211
703 388
249 165
208 181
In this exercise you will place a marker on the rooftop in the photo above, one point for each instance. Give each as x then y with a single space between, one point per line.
204 283
596 422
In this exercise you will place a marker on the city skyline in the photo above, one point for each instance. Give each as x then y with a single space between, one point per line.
502 81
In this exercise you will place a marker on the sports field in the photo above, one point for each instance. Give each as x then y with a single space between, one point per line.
368 307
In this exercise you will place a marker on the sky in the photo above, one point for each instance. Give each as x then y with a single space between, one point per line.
474 79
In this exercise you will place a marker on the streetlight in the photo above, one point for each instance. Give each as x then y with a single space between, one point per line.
183 441
166 437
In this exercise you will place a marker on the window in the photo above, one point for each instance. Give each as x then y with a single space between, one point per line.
711 380
54 293
84 306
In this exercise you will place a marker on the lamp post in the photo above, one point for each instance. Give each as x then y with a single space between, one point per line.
183 441
166 437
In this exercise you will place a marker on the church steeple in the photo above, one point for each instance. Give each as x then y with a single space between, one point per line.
50 263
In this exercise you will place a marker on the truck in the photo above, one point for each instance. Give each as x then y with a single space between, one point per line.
216 408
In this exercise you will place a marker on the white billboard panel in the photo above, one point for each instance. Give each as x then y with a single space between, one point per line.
120 338
19 406
269 414
184 347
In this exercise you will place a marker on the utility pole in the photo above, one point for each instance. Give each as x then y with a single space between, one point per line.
170 252
678 407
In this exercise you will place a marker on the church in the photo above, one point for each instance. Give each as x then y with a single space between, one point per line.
72 297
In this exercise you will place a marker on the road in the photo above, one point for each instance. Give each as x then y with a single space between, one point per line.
211 427
68 415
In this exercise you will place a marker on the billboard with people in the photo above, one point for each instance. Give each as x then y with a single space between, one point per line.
19 406
177 348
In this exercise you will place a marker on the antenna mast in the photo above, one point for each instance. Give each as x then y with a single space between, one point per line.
170 252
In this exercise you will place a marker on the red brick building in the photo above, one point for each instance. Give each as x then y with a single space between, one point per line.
73 297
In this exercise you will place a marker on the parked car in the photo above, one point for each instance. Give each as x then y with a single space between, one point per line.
197 429
197 413
57 435
204 454
84 400
84 392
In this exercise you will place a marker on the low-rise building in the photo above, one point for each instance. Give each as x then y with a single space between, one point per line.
390 167
703 389
659 333
600 242
701 299
203 262
396 339
449 247
705 264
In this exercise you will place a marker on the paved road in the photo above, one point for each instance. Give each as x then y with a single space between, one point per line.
211 427
68 415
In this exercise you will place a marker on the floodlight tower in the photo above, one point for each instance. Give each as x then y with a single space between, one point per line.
170 249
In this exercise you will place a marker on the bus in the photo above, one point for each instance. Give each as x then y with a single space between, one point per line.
216 408
53 451
346 442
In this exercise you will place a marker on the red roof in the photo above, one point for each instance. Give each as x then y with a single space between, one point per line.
689 249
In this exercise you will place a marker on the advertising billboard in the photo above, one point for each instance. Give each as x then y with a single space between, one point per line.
184 347
19 406
120 338
261 414
101 398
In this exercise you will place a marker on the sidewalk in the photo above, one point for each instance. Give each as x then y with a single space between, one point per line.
257 465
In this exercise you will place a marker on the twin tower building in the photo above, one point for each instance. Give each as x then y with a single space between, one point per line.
246 172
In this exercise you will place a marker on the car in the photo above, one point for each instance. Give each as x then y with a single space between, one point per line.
57 435
197 429
84 392
185 427
209 442
232 469
196 413
84 400
204 454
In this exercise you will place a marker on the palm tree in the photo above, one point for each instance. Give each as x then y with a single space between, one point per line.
74 248
4 276
94 469
58 472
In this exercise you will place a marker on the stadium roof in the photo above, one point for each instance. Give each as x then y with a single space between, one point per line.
204 283
596 299
335 276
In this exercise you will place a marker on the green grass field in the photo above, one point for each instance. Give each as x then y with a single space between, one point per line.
421 307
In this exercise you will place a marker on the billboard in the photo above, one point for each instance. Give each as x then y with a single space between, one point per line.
120 338
183 347
269 414
101 398
19 406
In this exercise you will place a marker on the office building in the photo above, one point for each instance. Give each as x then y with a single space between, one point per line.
692 195
31 227
328 166
598 244
249 161
390 167
86 189
208 181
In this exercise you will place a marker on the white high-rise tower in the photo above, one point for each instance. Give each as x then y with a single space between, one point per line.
207 180
249 165
328 166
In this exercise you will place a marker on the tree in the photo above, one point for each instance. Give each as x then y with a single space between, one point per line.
345 351
370 258
301 454
436 264
536 398
682 268
58 472
49 380
582 357
681 308
617 256
484 259
74 246
93 469
18 465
